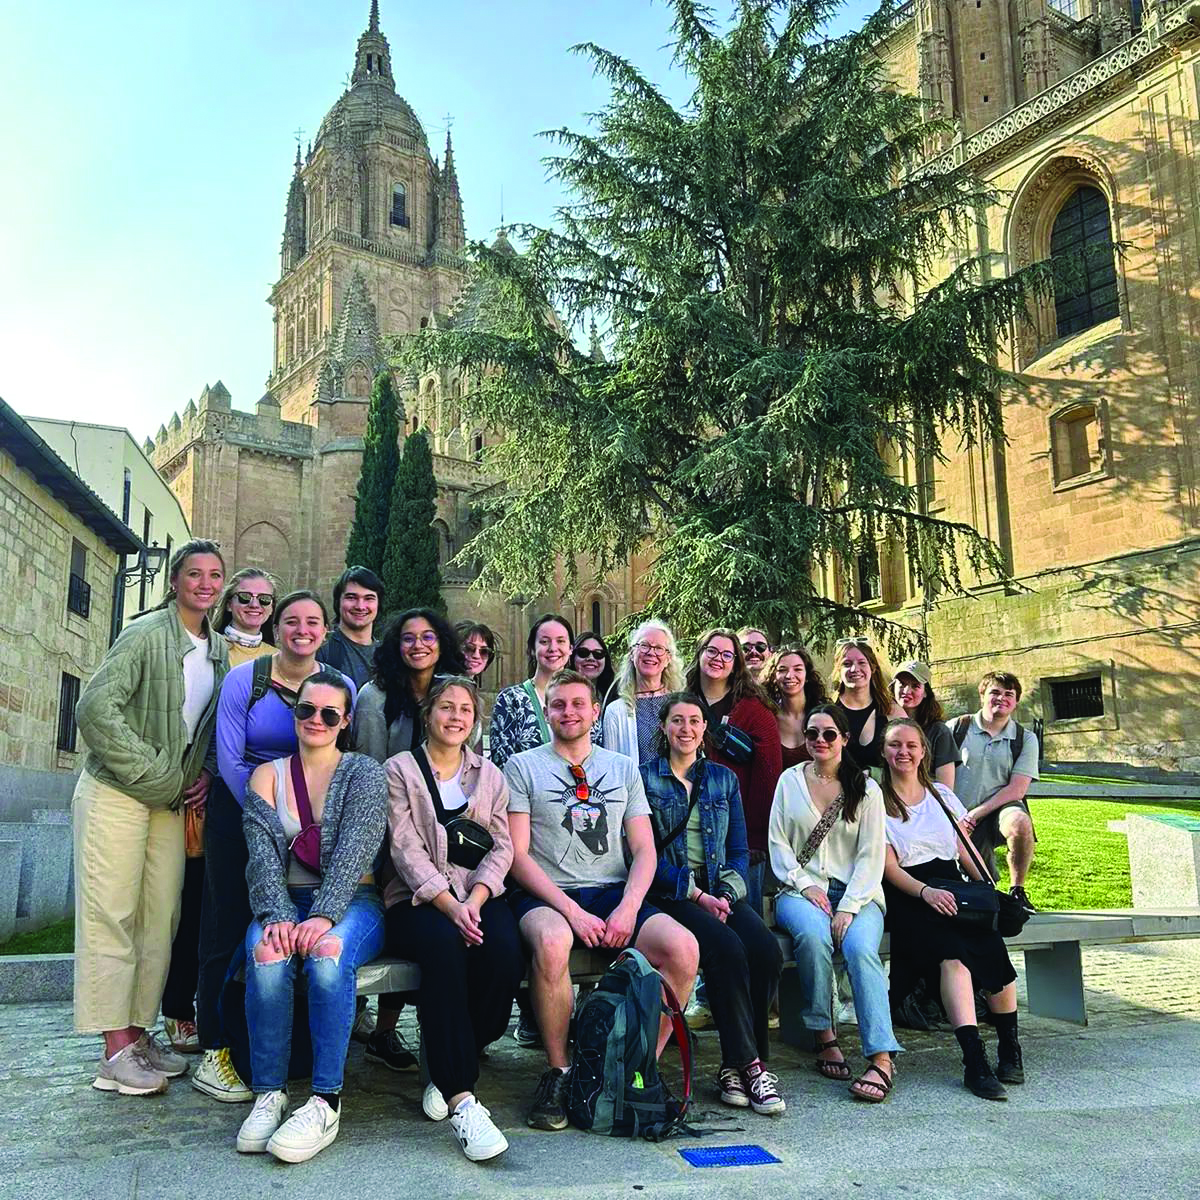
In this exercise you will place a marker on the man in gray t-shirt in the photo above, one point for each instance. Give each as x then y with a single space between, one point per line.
571 806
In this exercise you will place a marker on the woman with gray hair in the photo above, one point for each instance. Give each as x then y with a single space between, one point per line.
648 672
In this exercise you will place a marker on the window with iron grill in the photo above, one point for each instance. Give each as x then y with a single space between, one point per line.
68 697
1071 699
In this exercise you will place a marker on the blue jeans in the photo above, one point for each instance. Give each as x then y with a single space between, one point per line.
812 944
270 991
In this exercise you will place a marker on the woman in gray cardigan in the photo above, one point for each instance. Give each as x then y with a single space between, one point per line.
315 910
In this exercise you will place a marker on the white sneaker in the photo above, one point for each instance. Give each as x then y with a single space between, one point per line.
306 1132
216 1076
130 1073
364 1024
433 1104
265 1117
161 1057
476 1132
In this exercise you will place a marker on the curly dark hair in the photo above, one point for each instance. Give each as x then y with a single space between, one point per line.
814 685
393 676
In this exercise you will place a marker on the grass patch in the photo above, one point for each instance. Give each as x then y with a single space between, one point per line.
1078 862
53 939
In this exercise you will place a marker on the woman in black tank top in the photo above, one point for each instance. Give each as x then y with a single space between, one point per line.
863 695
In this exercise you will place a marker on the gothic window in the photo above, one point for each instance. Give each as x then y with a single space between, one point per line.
597 625
399 204
1082 233
867 576
477 447
1077 444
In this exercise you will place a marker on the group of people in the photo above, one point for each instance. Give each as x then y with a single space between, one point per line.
272 790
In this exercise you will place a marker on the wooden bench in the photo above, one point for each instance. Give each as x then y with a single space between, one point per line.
1050 941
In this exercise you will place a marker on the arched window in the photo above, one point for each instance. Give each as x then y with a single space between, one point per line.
1082 232
597 622
477 447
399 204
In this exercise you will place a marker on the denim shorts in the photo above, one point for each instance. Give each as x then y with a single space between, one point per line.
599 901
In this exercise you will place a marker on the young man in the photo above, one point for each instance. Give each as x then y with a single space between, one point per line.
756 647
999 760
350 648
568 803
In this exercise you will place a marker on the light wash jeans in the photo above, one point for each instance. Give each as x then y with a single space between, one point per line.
813 950
270 991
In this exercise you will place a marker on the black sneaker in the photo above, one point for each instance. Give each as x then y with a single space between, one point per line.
1021 896
549 1110
1010 1068
389 1048
527 1035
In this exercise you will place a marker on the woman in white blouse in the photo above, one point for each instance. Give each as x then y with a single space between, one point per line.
924 848
831 896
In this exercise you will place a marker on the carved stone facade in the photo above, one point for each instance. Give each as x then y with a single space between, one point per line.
1093 498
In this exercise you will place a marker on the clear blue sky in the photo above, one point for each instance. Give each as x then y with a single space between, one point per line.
146 151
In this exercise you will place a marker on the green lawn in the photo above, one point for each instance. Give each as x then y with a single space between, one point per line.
1078 863
54 939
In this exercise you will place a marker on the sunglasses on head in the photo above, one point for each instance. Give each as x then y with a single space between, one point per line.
854 641
828 736
757 647
265 599
590 655
582 790
331 718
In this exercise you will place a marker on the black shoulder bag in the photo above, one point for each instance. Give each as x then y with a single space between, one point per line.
467 842
736 744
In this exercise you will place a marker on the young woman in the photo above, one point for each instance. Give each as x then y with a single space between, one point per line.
924 846
863 696
316 909
255 725
718 675
827 848
912 688
756 648
792 682
649 672
518 716
478 645
244 615
447 916
418 645
590 657
703 864
147 717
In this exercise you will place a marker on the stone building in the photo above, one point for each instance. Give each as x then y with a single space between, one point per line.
373 247
1083 115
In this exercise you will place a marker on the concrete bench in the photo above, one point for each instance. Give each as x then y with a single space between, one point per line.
1049 789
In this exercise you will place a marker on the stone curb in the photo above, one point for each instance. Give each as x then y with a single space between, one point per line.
29 978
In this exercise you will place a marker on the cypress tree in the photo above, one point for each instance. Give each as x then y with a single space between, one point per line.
412 577
381 457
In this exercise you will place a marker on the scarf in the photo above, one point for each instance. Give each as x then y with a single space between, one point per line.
235 635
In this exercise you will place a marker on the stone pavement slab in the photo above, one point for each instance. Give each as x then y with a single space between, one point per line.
1109 1111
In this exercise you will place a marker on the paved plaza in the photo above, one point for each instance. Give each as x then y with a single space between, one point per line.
1110 1111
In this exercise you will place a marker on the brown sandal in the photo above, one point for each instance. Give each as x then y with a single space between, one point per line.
839 1072
884 1085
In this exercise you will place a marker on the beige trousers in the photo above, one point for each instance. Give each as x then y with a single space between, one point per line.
128 882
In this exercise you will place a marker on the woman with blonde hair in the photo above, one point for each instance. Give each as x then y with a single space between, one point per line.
244 614
864 696
649 671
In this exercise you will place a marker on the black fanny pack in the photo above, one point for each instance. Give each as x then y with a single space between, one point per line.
467 842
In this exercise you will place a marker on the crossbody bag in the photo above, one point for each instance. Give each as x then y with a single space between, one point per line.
467 842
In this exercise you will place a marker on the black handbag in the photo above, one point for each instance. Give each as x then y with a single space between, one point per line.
734 743
980 902
467 842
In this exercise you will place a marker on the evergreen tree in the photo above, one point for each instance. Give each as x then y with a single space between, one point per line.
381 457
765 261
411 576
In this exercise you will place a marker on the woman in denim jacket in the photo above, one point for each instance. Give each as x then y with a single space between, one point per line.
703 861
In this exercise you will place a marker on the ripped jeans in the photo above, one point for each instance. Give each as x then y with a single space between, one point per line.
270 990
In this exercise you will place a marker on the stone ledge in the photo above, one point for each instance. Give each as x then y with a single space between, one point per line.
31 978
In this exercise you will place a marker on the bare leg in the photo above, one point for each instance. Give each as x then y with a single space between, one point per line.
957 994
1005 1000
550 939
673 952
1017 830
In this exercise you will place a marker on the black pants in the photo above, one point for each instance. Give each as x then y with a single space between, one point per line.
466 993
742 962
225 912
179 995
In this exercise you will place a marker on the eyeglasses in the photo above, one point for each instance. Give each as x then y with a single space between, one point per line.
331 718
582 790
722 655
590 655
427 637
828 736
265 599
755 647
652 651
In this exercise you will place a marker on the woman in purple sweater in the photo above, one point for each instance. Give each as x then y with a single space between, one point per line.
255 724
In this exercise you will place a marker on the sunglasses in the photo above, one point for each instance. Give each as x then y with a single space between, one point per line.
591 655
828 736
582 790
331 718
756 647
265 599
481 651
427 637
854 641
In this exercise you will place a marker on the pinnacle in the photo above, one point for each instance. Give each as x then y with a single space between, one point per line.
373 22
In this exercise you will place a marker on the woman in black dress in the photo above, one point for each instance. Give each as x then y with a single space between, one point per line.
925 845
864 696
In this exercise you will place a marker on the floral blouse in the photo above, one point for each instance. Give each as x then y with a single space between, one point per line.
515 727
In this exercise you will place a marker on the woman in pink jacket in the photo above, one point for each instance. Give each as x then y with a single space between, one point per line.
448 832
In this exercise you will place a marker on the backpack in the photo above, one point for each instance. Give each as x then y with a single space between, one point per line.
962 724
614 1087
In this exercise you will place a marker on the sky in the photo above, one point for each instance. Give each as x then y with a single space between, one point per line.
146 149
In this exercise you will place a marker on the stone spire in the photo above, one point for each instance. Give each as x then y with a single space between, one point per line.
356 336
596 347
450 235
295 242
373 58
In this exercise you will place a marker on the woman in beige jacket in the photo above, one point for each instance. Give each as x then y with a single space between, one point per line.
449 918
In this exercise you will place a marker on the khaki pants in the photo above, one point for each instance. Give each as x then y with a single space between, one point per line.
129 865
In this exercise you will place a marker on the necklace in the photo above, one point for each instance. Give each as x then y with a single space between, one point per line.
817 774
294 684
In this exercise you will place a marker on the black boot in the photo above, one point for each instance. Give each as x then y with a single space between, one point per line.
978 1076
1009 1066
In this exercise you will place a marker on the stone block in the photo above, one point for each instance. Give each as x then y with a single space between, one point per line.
36 978
10 884
46 860
1164 860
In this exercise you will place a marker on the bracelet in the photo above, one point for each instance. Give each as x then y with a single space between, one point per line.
921 893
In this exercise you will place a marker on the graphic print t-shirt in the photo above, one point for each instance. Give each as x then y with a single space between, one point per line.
575 832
